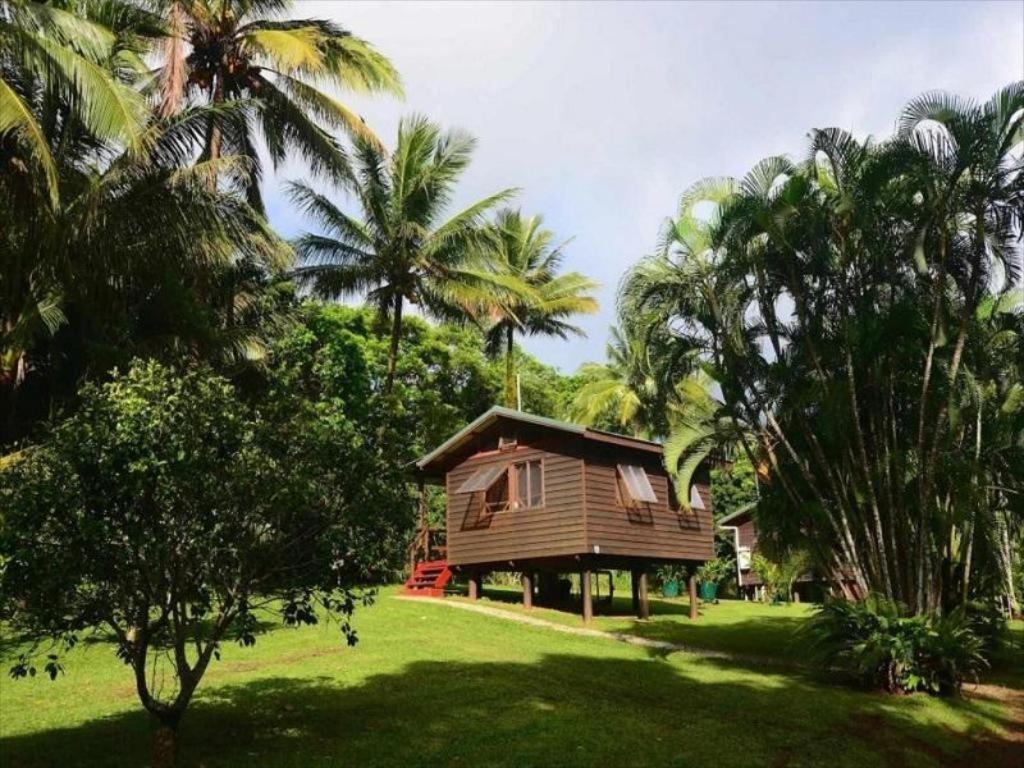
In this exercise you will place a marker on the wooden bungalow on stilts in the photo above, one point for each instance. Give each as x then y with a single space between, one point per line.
543 498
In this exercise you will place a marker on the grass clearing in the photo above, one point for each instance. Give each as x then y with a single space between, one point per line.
734 626
428 684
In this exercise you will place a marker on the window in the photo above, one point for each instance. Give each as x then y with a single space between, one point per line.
497 498
493 483
743 558
520 485
634 485
529 484
696 500
482 479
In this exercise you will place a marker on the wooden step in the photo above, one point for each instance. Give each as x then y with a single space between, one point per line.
428 579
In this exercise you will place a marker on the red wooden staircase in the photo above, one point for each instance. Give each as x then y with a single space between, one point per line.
428 579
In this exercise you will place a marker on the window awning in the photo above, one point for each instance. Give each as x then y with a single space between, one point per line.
482 479
637 483
696 502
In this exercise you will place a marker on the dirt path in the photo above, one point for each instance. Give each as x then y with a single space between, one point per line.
619 637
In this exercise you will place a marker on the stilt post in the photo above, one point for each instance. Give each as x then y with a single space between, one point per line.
693 597
588 602
527 590
644 609
474 585
635 584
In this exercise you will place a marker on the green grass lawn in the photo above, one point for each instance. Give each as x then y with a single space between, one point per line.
749 629
429 684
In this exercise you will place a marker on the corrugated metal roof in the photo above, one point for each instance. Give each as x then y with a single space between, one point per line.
739 512
481 422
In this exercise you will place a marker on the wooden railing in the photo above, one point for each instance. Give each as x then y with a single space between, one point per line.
426 542
425 545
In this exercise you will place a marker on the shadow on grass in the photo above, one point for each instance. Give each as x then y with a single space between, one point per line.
621 606
776 638
564 710
770 638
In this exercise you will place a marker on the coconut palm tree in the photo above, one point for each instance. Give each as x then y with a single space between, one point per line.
224 50
402 249
623 392
530 296
54 62
132 261
112 242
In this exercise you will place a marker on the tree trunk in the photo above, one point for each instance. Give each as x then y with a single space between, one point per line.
510 369
396 335
165 745
215 137
173 79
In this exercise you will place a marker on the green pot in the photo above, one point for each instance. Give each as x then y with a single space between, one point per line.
670 589
708 590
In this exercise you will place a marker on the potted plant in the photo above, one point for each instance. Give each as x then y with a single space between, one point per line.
709 574
669 577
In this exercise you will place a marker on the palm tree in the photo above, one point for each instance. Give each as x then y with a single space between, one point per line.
402 249
623 391
529 295
131 261
55 64
236 50
838 304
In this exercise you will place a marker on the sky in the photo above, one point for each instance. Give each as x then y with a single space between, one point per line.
603 113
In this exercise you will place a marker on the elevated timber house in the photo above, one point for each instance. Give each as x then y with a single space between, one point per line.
546 498
809 586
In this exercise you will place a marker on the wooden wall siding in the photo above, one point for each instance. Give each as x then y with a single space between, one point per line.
554 529
748 534
656 530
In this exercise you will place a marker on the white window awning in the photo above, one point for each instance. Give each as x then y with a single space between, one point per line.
638 485
696 502
483 479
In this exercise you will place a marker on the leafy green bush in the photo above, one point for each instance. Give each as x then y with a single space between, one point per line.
715 570
778 576
666 573
890 649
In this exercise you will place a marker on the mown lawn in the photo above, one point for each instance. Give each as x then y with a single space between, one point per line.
748 629
429 684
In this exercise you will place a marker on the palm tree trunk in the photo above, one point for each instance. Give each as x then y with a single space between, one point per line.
172 81
396 335
215 137
510 369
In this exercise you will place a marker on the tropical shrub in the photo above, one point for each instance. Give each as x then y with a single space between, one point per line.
668 573
886 647
778 575
715 570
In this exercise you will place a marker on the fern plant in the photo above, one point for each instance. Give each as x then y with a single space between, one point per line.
885 647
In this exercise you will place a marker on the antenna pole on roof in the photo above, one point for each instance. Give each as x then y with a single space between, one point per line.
519 392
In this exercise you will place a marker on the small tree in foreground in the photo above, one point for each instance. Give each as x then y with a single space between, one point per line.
168 515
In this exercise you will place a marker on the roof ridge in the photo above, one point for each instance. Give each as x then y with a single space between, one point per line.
496 411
